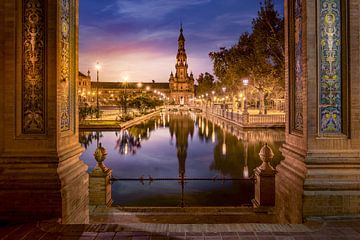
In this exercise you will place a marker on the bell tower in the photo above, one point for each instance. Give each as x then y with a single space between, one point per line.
181 85
181 63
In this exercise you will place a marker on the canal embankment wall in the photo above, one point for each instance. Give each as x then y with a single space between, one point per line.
117 126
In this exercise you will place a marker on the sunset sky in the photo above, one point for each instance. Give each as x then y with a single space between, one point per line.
138 38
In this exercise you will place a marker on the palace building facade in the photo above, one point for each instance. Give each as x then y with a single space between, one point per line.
182 84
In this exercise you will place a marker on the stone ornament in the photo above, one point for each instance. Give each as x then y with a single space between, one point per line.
65 66
33 78
100 155
266 155
330 109
298 125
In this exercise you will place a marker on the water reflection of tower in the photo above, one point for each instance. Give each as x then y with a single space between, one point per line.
181 125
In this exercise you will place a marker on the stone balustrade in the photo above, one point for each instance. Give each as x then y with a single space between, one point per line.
248 120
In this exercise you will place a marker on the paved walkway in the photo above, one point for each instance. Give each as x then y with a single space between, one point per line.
324 229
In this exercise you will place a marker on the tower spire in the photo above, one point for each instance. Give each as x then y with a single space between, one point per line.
181 36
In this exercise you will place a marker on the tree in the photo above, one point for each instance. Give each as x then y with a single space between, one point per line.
268 38
205 83
268 34
258 56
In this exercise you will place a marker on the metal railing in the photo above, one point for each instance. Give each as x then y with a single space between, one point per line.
182 181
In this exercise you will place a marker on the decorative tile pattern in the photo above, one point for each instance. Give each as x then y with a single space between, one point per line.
330 67
33 78
65 66
298 125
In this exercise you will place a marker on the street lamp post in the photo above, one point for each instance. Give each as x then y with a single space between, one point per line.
224 101
125 95
97 90
245 83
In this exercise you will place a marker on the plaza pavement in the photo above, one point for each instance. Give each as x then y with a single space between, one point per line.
317 229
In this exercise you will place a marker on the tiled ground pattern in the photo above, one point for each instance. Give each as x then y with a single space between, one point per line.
348 229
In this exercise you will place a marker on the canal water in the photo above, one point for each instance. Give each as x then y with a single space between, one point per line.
214 159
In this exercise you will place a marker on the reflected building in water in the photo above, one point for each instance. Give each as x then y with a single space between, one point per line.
218 152
182 126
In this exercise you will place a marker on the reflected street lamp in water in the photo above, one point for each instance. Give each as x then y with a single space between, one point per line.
246 169
223 147
98 67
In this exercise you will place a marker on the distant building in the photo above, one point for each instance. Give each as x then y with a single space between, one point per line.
110 92
84 86
181 85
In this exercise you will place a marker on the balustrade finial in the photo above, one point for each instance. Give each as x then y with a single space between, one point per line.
266 155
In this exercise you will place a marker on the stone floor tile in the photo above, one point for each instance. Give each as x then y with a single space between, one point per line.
264 234
51 236
230 238
246 234
89 234
195 238
6 230
86 238
20 232
122 237
213 237
304 237
177 238
105 236
141 237
209 234
73 228
229 234
159 237
266 237
140 233
193 234
279 234
347 231
175 234
284 237
247 237
36 234
125 233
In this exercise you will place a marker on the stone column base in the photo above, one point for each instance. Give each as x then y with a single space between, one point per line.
43 188
332 186
289 182
316 186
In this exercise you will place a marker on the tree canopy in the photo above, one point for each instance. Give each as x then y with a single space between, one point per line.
205 83
257 56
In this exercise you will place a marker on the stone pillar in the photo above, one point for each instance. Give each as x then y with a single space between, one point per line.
41 175
265 180
100 180
320 173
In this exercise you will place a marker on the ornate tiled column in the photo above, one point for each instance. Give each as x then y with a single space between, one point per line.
320 173
41 176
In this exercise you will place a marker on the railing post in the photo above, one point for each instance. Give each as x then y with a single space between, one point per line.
265 180
245 118
100 180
